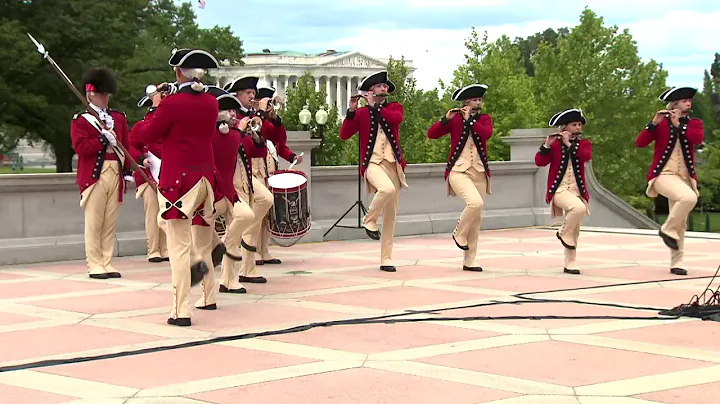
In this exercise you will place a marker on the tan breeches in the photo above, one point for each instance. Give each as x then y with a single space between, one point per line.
575 210
237 221
101 216
262 200
681 201
471 186
188 244
384 178
156 240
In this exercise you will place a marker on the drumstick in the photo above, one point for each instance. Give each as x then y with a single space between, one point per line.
294 162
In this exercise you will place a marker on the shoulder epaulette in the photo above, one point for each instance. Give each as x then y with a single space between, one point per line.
118 111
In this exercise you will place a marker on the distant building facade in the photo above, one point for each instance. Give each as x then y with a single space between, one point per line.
340 72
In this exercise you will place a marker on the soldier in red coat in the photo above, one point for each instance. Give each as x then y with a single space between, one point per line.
232 163
144 155
467 172
185 123
382 164
672 173
101 170
566 153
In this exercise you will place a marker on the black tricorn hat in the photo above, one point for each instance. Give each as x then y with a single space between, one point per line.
376 78
471 91
216 91
677 93
192 59
242 83
264 92
100 80
567 116
225 99
144 102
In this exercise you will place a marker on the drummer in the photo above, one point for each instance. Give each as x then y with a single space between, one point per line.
273 131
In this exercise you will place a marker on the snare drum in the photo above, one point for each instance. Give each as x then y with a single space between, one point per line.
290 214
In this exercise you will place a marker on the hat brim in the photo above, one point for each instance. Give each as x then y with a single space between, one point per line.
227 102
566 117
468 92
678 93
242 83
193 59
377 78
264 92
144 102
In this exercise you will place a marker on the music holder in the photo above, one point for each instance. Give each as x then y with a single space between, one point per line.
362 210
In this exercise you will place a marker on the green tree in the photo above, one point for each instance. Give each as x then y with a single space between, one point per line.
332 151
510 98
420 110
35 103
528 46
597 68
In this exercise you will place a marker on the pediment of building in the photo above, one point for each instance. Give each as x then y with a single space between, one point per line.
355 59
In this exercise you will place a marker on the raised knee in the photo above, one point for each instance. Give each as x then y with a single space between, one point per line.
475 204
389 191
689 198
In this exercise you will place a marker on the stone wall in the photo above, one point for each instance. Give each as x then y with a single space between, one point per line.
41 212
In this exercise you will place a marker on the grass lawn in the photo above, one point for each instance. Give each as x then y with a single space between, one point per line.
27 170
699 221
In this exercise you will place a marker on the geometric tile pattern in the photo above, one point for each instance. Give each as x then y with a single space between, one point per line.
458 337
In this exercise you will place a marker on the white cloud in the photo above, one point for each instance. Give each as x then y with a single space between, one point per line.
685 50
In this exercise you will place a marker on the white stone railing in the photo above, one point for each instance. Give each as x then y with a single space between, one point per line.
42 219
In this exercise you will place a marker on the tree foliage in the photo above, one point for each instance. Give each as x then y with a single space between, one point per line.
332 150
133 38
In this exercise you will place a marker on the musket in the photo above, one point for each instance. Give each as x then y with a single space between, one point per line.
133 164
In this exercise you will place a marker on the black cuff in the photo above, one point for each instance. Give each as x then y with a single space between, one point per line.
277 121
151 109
292 157
544 150
350 114
140 159
444 121
650 126
261 114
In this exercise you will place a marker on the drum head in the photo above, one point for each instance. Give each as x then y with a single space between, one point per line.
286 180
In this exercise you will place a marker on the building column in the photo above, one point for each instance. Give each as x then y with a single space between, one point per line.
349 87
328 91
285 86
338 100
317 83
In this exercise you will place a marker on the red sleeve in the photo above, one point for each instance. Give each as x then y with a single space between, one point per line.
158 124
484 127
278 135
544 156
439 129
584 152
350 125
86 140
136 146
647 136
694 133
393 113
252 149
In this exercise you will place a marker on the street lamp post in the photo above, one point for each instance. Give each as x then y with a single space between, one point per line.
321 117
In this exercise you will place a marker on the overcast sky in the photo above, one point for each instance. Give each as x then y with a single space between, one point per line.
683 36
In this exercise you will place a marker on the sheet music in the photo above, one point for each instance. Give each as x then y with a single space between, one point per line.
154 166
272 150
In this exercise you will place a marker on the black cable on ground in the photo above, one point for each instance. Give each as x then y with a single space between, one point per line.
394 319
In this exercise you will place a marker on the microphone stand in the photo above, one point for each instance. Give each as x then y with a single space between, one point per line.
362 210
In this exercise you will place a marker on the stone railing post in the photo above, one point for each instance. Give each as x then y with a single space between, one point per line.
524 144
300 142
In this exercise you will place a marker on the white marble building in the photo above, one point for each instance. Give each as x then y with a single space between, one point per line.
341 72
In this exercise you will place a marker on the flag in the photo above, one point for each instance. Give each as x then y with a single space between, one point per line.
201 3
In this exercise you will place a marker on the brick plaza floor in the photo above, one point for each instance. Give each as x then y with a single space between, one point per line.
53 311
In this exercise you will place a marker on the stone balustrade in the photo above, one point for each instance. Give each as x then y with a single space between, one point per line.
42 219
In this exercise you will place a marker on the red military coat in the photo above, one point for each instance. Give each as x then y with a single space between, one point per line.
558 156
185 123
91 146
225 151
139 150
274 131
690 133
366 122
479 126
